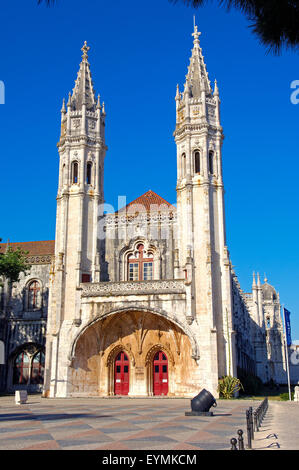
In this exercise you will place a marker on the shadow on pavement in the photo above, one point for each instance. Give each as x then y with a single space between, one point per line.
47 417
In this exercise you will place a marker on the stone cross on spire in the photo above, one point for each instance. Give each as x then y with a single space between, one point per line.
196 35
85 50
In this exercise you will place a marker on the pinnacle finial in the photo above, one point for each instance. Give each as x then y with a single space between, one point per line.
196 34
85 50
216 89
258 279
253 282
265 279
63 107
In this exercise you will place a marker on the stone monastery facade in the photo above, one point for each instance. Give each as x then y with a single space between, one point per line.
143 301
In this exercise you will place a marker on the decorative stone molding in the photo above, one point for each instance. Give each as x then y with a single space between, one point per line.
173 286
117 349
45 259
155 217
156 348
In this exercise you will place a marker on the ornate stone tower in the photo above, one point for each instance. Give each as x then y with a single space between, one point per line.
268 338
80 194
202 252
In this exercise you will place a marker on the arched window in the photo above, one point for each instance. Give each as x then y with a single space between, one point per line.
184 165
28 366
75 172
140 268
21 372
197 162
211 162
88 173
34 295
37 369
63 175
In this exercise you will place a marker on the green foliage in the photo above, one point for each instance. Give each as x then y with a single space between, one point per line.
285 396
13 263
228 386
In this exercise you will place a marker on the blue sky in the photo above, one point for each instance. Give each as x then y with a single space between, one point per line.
139 52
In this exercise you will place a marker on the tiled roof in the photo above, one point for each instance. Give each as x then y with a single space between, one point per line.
34 248
149 201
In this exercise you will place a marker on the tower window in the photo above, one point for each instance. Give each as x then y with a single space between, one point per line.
63 175
75 168
197 162
211 161
183 165
88 173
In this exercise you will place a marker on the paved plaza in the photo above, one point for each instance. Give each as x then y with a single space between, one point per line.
135 424
116 423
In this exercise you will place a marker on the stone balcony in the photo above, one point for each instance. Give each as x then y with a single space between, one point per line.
170 298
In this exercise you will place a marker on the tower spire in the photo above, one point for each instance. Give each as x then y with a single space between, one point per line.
83 92
197 79
253 281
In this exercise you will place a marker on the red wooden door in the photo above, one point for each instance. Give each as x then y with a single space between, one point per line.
121 374
160 367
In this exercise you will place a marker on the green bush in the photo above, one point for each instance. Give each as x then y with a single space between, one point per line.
285 396
228 386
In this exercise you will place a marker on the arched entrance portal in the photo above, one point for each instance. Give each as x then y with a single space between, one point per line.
160 369
121 374
133 353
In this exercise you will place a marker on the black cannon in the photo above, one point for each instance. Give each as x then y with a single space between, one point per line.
201 404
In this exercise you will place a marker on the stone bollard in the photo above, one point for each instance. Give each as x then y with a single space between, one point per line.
296 393
21 397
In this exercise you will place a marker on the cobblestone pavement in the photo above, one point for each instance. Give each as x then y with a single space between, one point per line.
117 424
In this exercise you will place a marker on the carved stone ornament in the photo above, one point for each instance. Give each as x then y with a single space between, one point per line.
76 123
46 259
175 286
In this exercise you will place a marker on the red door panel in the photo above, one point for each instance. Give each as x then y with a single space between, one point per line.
160 368
121 374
